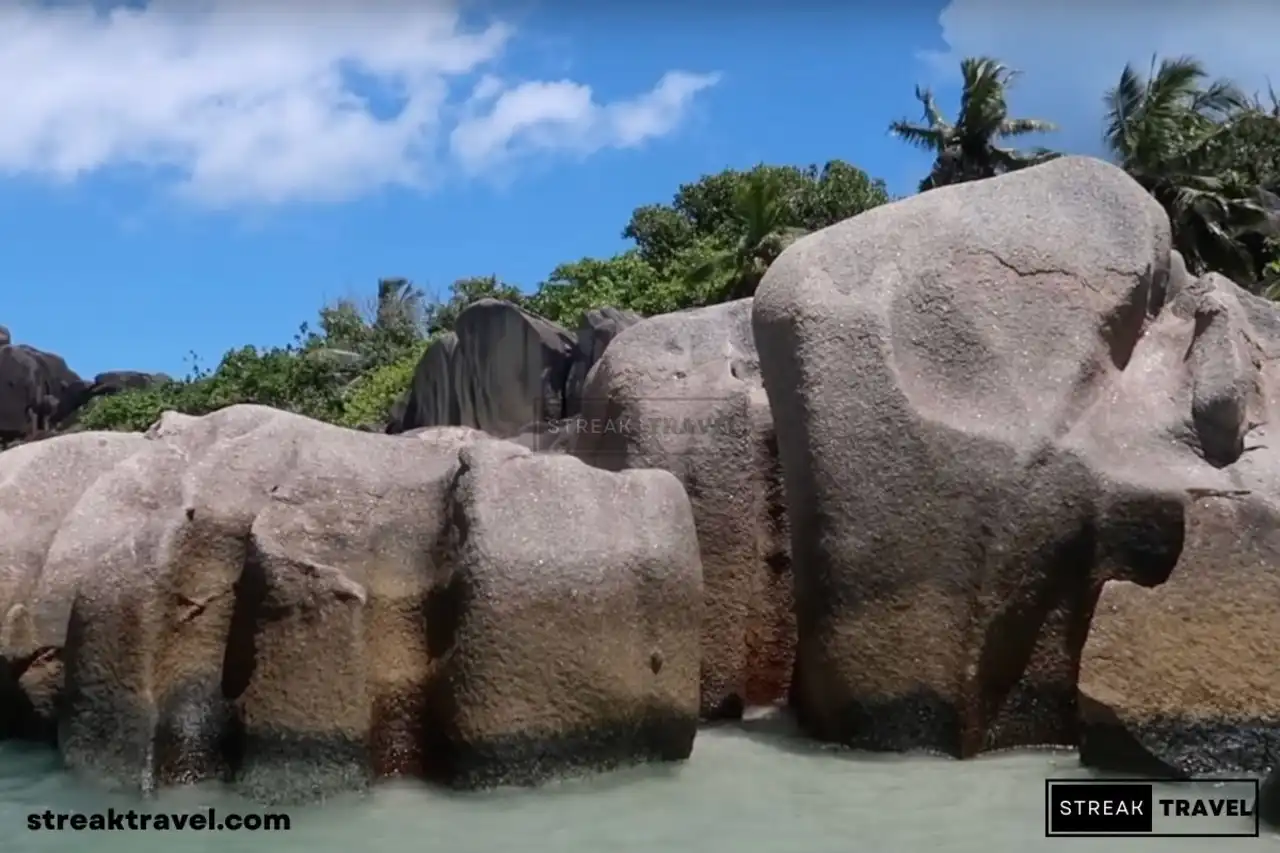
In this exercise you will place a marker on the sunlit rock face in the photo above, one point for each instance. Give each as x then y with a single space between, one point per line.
300 609
990 400
682 392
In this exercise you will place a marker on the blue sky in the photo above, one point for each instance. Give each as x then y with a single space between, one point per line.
193 175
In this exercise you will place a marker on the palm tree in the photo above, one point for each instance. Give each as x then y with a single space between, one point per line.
763 216
1176 133
398 303
968 150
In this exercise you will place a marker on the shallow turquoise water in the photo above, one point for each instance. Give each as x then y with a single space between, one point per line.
741 792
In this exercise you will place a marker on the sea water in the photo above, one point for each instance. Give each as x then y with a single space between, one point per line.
747 788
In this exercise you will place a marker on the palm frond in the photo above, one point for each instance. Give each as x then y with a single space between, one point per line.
1176 83
717 264
759 206
1123 106
965 150
983 107
932 114
1023 126
1221 99
925 138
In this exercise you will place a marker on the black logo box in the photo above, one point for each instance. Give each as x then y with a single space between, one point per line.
1121 821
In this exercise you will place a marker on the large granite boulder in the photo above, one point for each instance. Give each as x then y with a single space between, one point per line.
682 392
598 329
37 392
40 483
432 399
506 371
1180 679
560 652
40 394
299 609
115 381
501 369
973 444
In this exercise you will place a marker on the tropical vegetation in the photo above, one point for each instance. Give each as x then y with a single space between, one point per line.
1206 151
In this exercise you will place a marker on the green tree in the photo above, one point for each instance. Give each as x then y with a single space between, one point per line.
712 242
346 372
661 232
1270 287
969 149
381 332
367 401
574 288
837 192
706 215
760 215
1187 139
443 314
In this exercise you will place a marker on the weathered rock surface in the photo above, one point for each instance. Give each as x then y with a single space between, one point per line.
973 442
510 368
682 392
115 381
37 392
432 399
1180 679
504 368
506 371
40 394
574 654
299 609
599 327
40 484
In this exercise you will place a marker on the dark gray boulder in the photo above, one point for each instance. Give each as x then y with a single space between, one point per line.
37 392
431 400
510 368
599 327
508 372
115 381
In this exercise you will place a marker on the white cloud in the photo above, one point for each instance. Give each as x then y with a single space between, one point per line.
1071 53
540 116
258 102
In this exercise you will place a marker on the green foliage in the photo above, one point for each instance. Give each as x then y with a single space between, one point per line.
623 281
710 213
718 232
380 333
370 397
136 410
1206 152
660 233
1201 148
1270 287
967 149
443 315
349 372
1187 140
762 207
